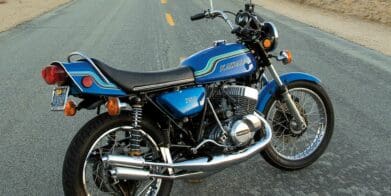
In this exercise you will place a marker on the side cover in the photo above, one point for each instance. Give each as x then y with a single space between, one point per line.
101 86
221 62
183 103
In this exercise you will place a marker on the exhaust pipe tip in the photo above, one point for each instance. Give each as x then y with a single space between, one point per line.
129 173
105 159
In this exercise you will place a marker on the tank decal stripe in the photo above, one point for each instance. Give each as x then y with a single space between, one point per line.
216 62
211 62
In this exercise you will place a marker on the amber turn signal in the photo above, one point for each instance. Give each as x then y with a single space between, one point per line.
288 56
70 108
112 106
267 43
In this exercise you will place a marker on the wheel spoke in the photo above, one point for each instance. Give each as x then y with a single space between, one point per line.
114 142
146 186
287 144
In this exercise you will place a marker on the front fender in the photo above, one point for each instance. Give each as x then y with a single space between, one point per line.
270 89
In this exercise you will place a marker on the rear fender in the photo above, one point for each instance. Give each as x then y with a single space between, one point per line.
78 69
271 87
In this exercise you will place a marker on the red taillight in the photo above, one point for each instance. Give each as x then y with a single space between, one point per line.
53 74
87 81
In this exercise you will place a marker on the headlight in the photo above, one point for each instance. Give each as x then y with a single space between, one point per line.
269 36
242 18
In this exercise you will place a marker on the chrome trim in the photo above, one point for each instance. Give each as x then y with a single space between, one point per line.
283 56
275 75
203 164
167 158
211 4
104 135
223 15
90 61
219 42
161 85
125 106
276 35
195 149
241 91
287 97
138 174
321 131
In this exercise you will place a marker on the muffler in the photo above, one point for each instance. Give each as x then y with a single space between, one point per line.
138 174
125 167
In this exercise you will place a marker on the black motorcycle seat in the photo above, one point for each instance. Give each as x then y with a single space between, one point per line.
146 81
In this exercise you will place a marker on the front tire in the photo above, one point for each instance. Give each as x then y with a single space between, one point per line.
285 151
79 153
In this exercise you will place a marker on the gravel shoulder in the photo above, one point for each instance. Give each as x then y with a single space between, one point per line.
370 34
14 12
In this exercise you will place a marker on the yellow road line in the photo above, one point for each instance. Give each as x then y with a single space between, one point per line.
163 1
170 19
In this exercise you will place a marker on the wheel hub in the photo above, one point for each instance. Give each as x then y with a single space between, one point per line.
287 120
295 127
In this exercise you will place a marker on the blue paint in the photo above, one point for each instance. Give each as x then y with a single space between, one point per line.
269 90
183 103
221 62
77 70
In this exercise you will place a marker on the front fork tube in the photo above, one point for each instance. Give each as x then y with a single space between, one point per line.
287 98
167 158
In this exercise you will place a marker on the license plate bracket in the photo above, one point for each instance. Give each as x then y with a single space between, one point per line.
59 98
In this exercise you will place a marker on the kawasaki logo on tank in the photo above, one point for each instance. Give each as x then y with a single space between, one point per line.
211 65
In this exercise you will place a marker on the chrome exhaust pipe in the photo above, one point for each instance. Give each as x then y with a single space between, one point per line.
124 165
138 174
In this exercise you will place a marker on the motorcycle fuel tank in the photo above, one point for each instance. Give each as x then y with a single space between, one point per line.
221 62
183 103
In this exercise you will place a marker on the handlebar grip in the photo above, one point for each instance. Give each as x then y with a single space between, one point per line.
197 16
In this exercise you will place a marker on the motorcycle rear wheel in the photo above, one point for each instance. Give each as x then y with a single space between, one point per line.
83 173
289 150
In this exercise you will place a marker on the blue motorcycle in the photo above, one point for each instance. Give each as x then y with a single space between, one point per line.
216 110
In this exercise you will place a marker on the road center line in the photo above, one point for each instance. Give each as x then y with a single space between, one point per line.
163 1
170 19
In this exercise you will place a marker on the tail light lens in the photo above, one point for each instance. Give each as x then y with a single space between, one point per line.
53 74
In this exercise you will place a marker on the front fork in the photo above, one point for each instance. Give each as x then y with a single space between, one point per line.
301 124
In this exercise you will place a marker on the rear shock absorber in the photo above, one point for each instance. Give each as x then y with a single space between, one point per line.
135 138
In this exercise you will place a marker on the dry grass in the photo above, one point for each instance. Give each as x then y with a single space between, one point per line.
374 10
14 12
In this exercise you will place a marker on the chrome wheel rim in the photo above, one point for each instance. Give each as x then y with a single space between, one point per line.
292 146
90 177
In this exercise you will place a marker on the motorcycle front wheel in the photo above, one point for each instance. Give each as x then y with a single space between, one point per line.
85 174
292 149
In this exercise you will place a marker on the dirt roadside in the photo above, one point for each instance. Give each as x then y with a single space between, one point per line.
14 12
373 10
371 34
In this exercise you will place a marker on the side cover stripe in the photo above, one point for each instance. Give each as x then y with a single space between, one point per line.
211 62
97 79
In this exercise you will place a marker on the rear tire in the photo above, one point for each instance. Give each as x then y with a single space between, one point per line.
73 168
282 160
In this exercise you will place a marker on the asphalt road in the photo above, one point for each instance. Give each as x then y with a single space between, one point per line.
135 35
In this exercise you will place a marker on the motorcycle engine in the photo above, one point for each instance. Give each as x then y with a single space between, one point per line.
235 106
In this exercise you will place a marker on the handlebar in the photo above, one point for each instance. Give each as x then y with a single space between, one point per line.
197 16
213 14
